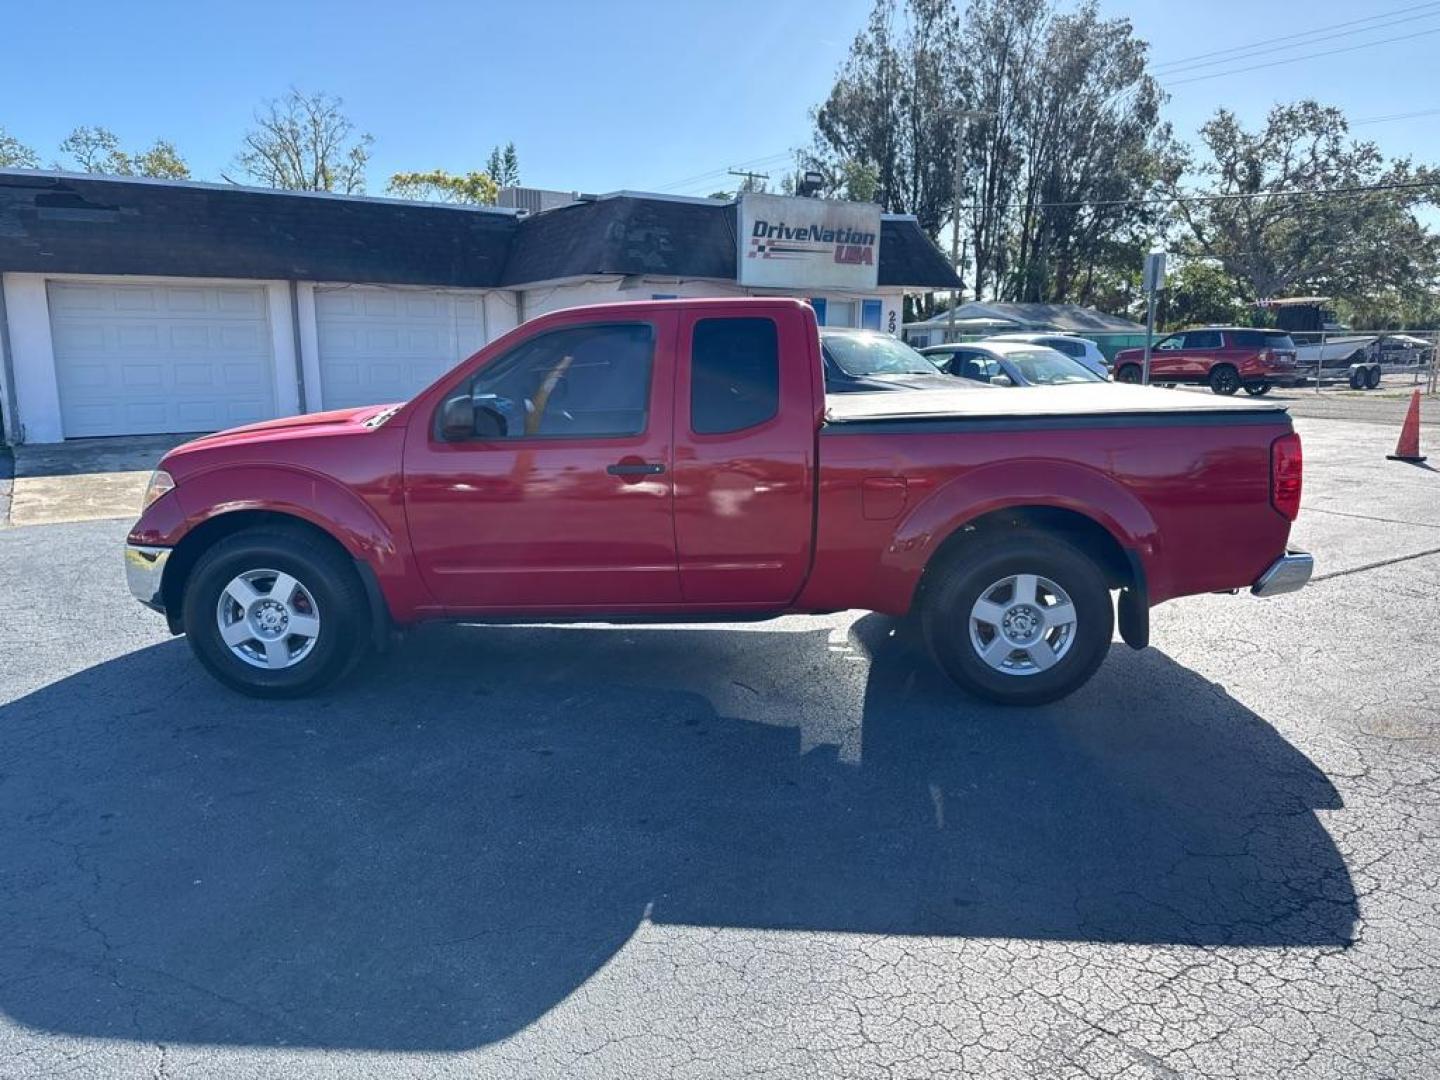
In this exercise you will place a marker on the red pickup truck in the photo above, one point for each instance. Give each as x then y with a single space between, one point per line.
1225 358
680 461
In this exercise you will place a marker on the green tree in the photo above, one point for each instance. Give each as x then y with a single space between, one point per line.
440 186
1275 233
503 166
891 109
1200 292
1071 145
98 150
305 142
16 155
1054 172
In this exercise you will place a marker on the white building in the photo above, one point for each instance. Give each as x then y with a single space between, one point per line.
138 306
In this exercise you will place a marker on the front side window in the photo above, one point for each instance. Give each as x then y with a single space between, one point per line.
734 375
974 365
1174 341
585 380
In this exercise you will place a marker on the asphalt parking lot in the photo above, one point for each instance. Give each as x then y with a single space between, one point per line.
784 849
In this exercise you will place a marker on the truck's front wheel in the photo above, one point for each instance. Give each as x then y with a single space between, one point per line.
275 613
1019 621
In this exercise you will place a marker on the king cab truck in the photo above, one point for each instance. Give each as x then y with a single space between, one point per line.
680 461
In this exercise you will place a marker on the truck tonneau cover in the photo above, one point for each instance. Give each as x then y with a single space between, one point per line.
1110 403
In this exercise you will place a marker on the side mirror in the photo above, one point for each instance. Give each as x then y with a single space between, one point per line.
999 379
457 419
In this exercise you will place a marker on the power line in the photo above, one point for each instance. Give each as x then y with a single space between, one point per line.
1253 52
697 178
1187 60
1297 59
1394 116
1170 200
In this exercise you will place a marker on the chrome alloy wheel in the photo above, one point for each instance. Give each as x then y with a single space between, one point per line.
1022 624
268 619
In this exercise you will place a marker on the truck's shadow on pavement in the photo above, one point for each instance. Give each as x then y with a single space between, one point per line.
437 856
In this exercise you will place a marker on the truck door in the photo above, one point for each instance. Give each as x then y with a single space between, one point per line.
745 422
561 495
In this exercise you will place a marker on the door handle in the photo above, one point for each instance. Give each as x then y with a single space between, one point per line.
634 468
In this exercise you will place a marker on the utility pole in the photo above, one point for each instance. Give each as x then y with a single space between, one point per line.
1153 280
962 118
750 178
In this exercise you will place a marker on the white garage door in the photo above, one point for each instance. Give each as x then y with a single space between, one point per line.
148 359
380 345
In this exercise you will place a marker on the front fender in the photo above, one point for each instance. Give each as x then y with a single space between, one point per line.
319 500
1006 485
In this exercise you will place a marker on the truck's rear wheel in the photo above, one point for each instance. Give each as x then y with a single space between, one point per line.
275 613
1020 621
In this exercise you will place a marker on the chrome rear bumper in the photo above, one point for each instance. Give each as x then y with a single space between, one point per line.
144 569
1286 574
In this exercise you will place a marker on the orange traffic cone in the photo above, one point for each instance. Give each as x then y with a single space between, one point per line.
1408 448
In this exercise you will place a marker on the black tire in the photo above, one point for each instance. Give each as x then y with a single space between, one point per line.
1372 380
1224 379
951 634
1258 389
1357 378
1130 373
324 573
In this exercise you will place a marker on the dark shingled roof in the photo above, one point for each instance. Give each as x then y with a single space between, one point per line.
64 224
625 234
909 257
78 224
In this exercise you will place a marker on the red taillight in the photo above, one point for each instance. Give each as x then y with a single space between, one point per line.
1287 463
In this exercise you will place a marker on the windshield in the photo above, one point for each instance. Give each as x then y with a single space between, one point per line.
875 354
1046 367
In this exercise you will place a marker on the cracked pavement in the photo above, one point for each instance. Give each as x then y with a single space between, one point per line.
777 849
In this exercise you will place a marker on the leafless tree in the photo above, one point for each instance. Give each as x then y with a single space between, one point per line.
305 142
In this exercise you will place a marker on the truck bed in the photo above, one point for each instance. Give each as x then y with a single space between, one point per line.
1110 405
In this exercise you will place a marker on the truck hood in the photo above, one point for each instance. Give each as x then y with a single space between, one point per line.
1106 400
335 421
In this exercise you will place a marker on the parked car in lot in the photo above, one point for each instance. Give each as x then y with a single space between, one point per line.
863 360
680 460
1226 358
1009 363
1082 350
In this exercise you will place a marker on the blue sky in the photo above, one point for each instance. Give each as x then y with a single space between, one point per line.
600 96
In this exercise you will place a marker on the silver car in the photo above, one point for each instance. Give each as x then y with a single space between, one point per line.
1008 363
1080 349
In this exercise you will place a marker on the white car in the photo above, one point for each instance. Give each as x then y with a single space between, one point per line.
1079 349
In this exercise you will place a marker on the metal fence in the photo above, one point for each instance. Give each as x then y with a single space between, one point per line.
1358 360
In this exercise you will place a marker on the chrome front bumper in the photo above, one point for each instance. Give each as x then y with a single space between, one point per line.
144 569
1286 574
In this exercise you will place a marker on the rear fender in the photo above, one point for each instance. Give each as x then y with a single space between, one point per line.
1005 485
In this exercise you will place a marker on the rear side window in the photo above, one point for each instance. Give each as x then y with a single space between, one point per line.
1202 339
1247 339
1064 345
734 375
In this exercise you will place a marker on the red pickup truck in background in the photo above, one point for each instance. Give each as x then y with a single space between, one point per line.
680 460
1225 358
